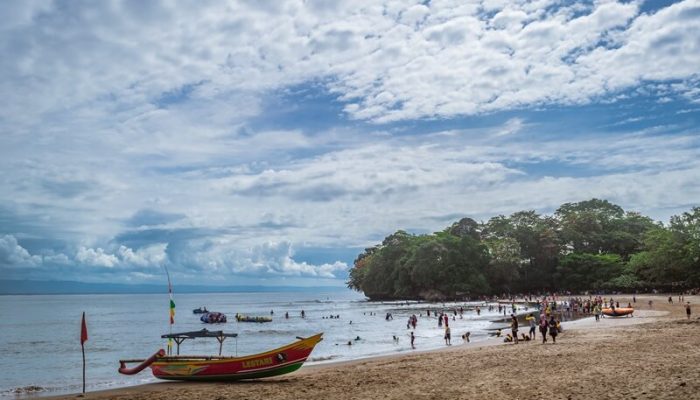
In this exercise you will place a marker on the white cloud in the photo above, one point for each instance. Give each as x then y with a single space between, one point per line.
124 257
96 257
12 254
276 258
390 62
154 255
166 107
224 258
512 126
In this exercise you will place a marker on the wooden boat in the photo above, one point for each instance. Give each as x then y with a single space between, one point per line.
250 318
275 362
617 312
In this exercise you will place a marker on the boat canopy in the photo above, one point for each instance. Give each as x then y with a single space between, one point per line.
204 333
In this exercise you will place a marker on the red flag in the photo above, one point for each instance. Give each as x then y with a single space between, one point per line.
83 331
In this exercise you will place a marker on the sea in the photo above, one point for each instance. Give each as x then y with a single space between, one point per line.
40 334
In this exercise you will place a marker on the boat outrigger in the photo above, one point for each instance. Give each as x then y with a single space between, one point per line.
279 361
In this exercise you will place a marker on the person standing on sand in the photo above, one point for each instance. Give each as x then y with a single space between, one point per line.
543 328
687 310
514 328
531 319
413 339
553 331
448 336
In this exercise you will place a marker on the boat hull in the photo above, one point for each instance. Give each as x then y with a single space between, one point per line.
271 363
617 312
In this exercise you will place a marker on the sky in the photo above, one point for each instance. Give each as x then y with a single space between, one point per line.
270 142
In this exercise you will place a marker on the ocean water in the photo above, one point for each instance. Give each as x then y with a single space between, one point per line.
40 335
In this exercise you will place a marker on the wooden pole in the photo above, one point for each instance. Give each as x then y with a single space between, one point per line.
83 347
83 339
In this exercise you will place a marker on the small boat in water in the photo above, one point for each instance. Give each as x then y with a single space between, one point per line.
200 310
275 362
617 312
249 318
213 317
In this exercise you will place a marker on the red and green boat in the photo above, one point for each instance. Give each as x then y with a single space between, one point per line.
275 362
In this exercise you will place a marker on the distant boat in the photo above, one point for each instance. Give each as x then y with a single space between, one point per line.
275 362
213 317
200 310
248 318
617 312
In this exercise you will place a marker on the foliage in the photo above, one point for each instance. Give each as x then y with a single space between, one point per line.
589 245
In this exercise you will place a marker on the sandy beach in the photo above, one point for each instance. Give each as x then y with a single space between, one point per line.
653 355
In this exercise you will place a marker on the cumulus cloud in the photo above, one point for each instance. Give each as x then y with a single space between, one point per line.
277 258
136 135
12 254
96 257
150 256
391 61
223 258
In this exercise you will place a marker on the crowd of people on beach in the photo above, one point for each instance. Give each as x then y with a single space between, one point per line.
546 316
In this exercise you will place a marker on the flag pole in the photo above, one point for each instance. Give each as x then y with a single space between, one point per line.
171 305
83 346
83 339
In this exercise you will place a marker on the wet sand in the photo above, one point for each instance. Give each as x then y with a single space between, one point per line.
653 355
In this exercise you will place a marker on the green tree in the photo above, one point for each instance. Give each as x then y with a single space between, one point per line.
586 225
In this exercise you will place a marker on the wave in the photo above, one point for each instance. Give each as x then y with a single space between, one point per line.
319 359
31 389
276 332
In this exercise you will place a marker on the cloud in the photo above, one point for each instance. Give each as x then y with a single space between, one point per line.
138 135
96 257
512 126
147 217
276 258
124 257
387 61
221 257
12 254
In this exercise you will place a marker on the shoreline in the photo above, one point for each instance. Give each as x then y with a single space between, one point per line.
585 352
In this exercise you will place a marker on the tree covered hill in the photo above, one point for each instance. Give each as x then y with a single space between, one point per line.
589 245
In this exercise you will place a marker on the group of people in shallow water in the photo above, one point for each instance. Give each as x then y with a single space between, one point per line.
549 308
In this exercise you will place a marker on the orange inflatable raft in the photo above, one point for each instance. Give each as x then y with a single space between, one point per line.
617 312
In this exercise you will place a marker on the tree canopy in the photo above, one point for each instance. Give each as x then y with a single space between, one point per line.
589 245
